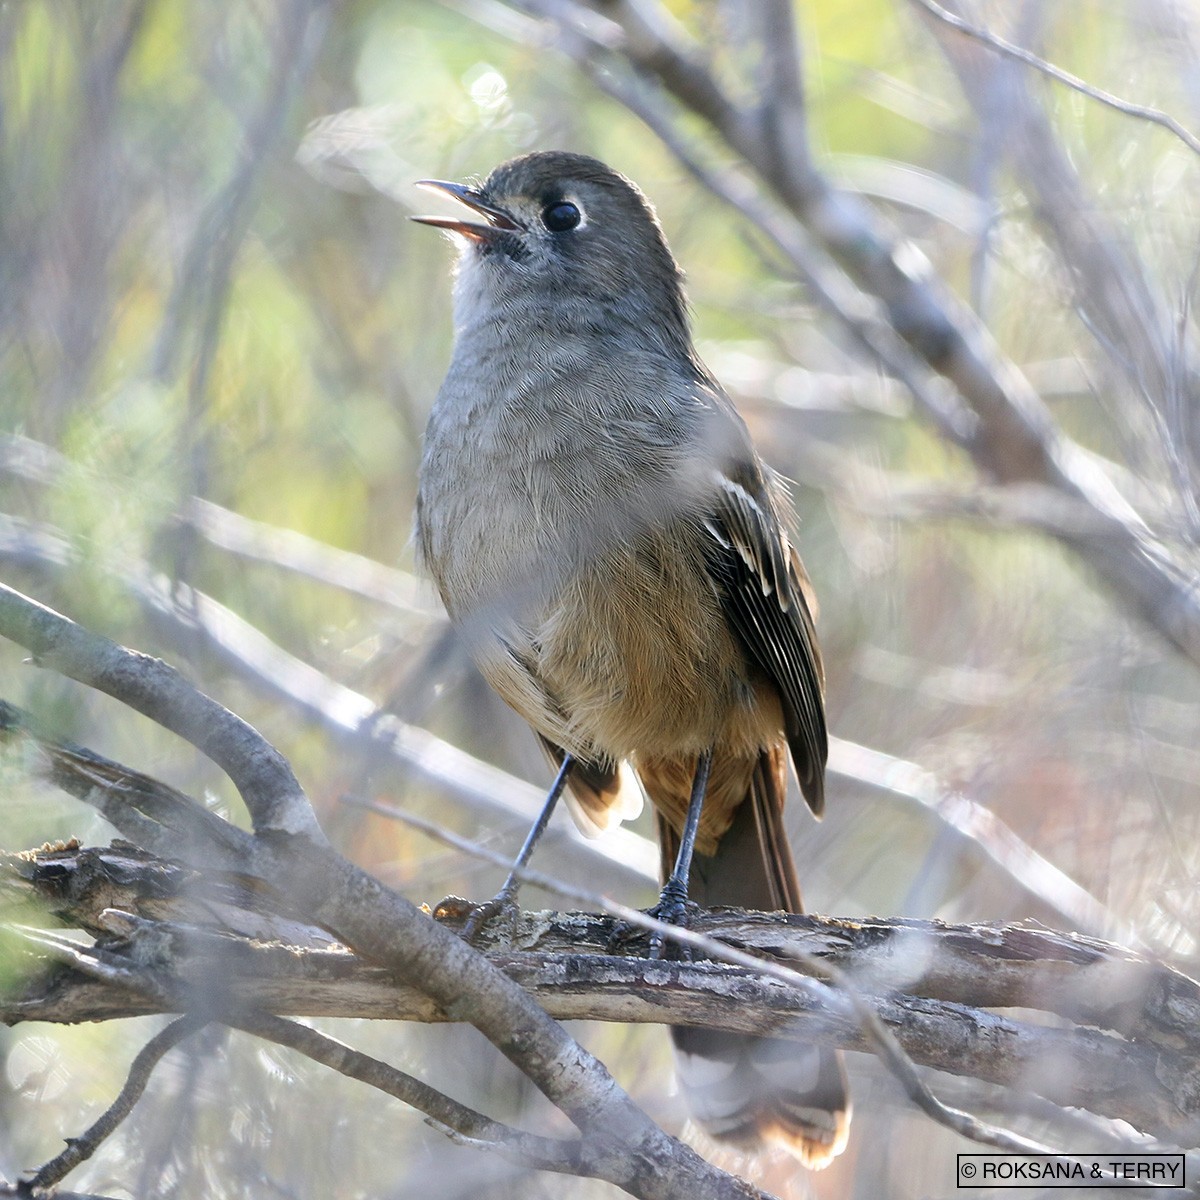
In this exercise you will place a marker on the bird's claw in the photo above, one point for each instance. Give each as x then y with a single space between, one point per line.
500 907
673 908
476 917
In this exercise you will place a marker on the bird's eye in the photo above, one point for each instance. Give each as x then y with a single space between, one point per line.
560 217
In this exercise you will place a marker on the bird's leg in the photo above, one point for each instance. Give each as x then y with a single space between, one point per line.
673 899
506 897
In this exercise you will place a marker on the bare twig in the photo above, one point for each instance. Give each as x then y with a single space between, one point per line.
993 41
81 1148
443 1113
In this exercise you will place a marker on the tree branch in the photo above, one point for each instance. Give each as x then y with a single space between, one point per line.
1019 54
148 685
81 1148
289 852
443 1113
147 811
1124 1043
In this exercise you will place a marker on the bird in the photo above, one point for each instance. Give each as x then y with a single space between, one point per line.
618 561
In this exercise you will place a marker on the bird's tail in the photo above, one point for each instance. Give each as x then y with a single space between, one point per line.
743 1089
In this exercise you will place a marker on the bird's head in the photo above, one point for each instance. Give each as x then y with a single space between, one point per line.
569 233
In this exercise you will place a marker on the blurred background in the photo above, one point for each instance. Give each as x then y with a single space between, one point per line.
219 342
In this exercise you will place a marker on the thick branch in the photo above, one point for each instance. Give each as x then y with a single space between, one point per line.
942 990
88 897
151 687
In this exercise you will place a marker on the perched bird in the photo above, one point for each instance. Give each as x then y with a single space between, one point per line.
616 557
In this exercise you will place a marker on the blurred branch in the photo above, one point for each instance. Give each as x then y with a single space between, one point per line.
443 1113
31 460
486 792
158 989
203 279
821 276
206 275
56 269
18 1191
1016 439
495 798
1112 284
306 556
1014 505
290 852
35 462
895 495
149 812
1031 871
1133 1022
1009 50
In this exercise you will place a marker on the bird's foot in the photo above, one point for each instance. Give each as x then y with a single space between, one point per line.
673 908
500 910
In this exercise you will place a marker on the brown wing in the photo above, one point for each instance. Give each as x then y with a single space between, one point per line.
761 586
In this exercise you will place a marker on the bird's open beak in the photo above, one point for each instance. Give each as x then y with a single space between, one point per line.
498 221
